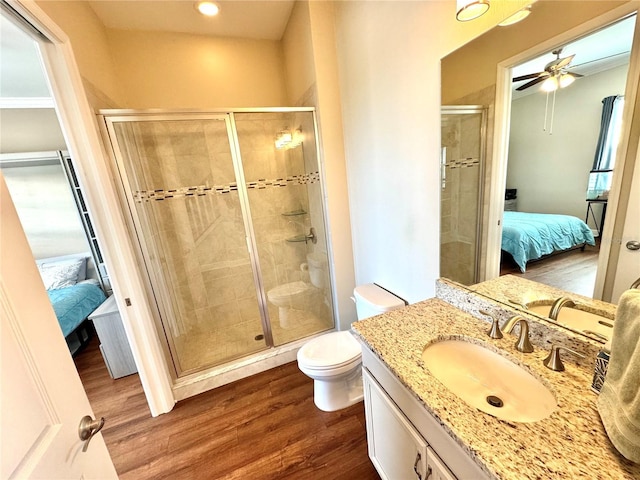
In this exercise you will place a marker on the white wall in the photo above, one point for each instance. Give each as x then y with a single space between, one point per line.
551 171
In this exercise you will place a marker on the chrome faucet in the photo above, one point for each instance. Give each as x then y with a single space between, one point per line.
553 361
558 304
522 344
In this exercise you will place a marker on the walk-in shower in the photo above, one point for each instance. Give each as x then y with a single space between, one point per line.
227 209
462 162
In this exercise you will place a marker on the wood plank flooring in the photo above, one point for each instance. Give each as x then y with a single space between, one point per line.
574 271
262 427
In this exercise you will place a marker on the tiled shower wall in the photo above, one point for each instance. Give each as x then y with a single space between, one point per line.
459 197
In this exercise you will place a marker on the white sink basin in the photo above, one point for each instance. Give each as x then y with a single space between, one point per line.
579 320
488 381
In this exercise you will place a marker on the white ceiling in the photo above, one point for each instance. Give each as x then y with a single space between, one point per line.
602 50
265 20
20 69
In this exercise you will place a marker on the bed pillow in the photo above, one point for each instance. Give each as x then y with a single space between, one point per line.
60 275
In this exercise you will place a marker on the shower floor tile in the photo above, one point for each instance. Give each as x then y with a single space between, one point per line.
202 349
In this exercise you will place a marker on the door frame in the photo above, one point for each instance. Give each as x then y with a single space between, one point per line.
625 160
80 130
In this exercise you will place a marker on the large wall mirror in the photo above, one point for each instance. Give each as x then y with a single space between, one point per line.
553 136
570 60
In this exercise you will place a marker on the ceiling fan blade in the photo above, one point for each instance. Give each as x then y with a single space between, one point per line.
529 76
558 63
531 83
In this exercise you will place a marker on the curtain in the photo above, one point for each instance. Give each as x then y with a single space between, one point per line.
605 157
609 133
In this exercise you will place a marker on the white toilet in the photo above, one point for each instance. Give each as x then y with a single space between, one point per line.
334 360
299 295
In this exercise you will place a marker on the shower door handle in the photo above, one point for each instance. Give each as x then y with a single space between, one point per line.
311 236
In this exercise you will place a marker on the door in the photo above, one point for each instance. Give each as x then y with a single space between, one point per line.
462 159
281 171
628 270
42 399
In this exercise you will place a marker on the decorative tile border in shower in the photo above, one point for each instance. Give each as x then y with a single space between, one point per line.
283 182
200 190
462 163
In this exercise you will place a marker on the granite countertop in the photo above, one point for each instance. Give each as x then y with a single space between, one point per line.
570 443
516 292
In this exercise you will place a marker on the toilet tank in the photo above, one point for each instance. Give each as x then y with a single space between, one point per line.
373 300
318 268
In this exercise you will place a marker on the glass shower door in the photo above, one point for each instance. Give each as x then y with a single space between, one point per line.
180 179
281 171
462 160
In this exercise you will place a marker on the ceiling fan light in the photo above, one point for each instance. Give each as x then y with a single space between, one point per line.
549 85
470 9
516 17
566 79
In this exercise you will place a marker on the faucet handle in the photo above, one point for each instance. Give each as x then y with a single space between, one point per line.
553 360
494 332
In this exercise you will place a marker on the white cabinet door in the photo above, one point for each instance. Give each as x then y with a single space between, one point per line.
436 469
41 397
396 449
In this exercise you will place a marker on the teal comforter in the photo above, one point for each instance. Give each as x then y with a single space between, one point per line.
529 236
75 303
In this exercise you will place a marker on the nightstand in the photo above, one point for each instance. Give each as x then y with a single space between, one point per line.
113 339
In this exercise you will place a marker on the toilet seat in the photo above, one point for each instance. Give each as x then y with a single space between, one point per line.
287 290
330 351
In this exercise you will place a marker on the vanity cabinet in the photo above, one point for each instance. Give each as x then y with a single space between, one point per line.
396 448
404 440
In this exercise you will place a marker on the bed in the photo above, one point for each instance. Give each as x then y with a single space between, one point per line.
530 236
73 293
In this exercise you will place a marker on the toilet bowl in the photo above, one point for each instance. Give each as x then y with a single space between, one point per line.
289 296
300 295
334 360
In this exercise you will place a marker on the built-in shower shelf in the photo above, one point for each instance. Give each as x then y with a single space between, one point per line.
294 213
297 238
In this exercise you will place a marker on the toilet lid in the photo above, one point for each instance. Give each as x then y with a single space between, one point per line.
330 350
288 289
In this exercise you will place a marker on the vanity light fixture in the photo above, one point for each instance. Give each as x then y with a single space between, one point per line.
208 9
288 139
516 17
470 9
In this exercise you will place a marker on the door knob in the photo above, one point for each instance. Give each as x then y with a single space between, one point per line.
88 428
633 245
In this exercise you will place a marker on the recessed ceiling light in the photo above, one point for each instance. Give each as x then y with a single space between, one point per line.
209 9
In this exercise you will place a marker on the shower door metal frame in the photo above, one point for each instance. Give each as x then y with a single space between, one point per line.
111 116
483 111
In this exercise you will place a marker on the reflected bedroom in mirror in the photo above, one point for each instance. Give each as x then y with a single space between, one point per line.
563 130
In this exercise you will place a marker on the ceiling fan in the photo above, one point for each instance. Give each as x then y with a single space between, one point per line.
556 70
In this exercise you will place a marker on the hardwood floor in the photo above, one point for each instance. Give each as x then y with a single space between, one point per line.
262 427
574 271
